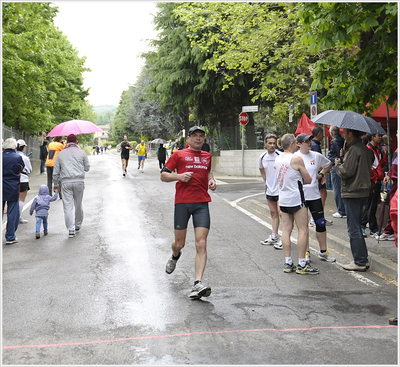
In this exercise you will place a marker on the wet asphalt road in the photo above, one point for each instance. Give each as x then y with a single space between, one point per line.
104 298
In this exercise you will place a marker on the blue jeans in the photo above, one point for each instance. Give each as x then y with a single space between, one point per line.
12 218
39 220
336 185
42 165
355 209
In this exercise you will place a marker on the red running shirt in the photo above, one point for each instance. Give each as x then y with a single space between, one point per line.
198 162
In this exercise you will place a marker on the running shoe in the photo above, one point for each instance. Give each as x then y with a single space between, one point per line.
385 237
71 234
200 290
272 239
288 268
375 234
171 264
22 221
278 245
11 242
328 222
308 260
326 256
338 215
307 270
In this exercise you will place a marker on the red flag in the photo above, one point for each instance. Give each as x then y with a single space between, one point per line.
305 125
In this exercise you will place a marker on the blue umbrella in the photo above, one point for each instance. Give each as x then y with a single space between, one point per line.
349 120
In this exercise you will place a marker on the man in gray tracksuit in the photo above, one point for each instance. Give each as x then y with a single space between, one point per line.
69 171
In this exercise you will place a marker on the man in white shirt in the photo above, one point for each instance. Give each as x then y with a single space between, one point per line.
266 164
317 166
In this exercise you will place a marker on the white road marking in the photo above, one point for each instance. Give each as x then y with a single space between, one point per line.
234 204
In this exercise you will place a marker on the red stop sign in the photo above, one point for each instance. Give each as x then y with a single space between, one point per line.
243 118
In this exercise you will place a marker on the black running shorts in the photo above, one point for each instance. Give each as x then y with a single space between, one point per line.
24 186
291 209
199 212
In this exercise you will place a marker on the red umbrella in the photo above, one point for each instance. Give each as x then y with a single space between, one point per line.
76 127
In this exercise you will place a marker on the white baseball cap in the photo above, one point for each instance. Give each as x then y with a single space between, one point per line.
21 142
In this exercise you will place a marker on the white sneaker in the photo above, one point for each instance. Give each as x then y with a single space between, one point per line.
328 222
200 290
271 240
385 237
278 245
326 256
337 215
22 221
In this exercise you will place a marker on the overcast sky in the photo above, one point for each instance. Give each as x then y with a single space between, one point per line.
112 35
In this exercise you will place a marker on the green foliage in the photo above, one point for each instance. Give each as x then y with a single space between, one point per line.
42 73
105 117
356 44
259 40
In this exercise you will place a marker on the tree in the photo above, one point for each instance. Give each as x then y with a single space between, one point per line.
259 40
181 84
42 73
357 48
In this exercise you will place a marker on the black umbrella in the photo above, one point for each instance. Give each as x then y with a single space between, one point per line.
349 120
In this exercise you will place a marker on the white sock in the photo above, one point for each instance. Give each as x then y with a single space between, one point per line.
288 260
302 262
21 206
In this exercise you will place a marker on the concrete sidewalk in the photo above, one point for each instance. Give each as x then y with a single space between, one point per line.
383 256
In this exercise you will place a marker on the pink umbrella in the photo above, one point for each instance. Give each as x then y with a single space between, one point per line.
76 127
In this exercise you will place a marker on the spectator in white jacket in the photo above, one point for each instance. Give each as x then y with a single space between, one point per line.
24 187
69 171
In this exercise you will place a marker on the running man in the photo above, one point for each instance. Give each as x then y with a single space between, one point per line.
292 174
266 165
141 150
125 148
194 176
317 166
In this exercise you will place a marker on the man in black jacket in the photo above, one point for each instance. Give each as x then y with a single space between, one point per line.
43 156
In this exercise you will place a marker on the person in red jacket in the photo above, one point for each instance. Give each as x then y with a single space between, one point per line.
377 175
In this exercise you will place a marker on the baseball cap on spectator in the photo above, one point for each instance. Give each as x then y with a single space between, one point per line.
195 128
21 142
303 137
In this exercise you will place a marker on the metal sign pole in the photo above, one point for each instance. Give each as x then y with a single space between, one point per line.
242 150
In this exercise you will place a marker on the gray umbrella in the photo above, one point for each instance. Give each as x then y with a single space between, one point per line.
349 120
158 141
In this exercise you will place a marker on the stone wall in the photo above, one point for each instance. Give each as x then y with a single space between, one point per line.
230 163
